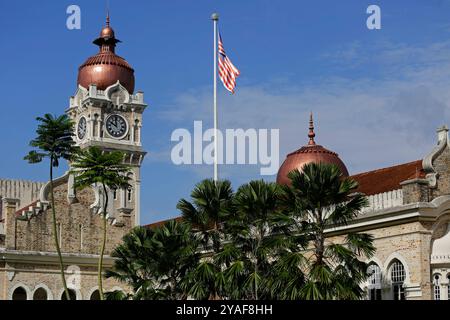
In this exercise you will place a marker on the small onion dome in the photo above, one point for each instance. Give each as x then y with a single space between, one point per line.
106 68
308 154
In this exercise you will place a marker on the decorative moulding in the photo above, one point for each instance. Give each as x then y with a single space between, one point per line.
11 275
117 87
427 162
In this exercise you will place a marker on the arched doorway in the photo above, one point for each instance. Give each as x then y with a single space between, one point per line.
72 294
40 294
95 295
19 294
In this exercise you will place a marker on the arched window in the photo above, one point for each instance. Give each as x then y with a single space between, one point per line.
437 287
374 282
398 275
129 192
40 294
72 295
95 295
19 294
448 287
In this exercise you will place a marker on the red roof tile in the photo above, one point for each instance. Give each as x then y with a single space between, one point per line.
370 182
20 211
161 223
388 179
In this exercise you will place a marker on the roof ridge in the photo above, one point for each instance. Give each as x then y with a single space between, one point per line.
385 168
27 206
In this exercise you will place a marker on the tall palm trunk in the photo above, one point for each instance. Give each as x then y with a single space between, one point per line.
102 250
320 238
55 232
256 280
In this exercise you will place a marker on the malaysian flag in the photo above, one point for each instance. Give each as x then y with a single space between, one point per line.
227 71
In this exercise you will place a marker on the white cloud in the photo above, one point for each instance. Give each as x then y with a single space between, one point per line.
371 121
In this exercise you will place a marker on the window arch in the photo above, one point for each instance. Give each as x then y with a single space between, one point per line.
19 294
397 276
374 282
129 190
129 193
72 295
95 295
40 294
437 287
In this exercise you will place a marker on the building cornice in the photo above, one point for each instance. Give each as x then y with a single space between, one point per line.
41 257
420 211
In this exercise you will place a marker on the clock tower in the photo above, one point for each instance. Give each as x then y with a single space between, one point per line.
108 114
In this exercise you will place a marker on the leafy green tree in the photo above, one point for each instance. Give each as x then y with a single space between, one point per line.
318 199
153 262
117 295
264 242
212 202
54 141
251 227
93 166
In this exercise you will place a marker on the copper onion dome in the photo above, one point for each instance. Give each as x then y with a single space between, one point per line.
106 68
307 154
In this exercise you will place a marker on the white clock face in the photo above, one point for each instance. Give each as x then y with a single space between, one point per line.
116 126
81 128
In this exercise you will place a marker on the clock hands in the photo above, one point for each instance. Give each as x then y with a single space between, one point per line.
116 125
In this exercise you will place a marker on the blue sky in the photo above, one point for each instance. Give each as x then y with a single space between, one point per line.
378 96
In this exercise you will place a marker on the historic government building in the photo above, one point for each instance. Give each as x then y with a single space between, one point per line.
107 113
408 216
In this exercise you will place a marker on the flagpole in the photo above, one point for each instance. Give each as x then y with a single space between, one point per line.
215 18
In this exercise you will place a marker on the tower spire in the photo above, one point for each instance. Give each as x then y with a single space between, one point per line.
311 133
107 13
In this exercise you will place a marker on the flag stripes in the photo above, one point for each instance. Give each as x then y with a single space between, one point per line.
227 71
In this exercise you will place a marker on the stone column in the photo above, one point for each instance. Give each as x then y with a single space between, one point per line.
444 291
137 213
132 133
99 133
123 198
91 128
138 139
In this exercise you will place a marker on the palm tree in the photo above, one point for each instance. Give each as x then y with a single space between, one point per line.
211 204
54 141
252 227
93 166
154 262
320 198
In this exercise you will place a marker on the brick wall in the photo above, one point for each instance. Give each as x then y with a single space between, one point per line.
81 230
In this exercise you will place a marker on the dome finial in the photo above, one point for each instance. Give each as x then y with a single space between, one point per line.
107 13
311 133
